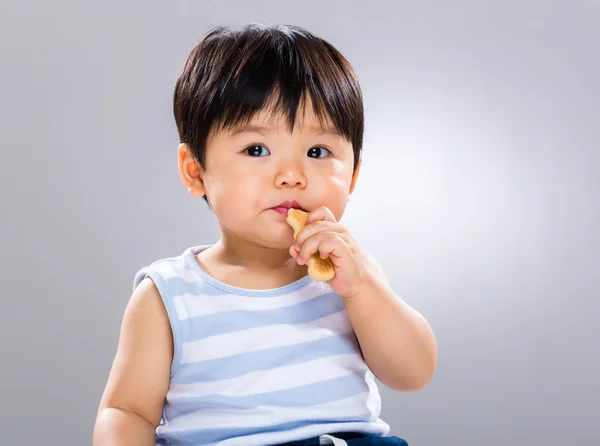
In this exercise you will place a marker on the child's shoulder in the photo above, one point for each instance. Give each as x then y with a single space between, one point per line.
181 257
167 268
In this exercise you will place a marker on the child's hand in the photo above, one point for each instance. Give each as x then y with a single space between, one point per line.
325 235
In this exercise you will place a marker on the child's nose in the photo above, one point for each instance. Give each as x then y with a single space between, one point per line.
291 176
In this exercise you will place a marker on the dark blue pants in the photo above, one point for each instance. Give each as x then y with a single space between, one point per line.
353 440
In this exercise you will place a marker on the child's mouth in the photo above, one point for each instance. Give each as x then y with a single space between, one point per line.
281 210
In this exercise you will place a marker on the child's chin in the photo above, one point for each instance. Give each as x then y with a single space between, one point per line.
284 242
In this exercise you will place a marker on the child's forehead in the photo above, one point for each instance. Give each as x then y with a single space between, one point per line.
269 121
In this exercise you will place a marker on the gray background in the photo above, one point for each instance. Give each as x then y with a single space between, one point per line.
478 195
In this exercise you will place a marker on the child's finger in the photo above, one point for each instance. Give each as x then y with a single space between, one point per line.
318 226
311 245
320 213
293 251
333 247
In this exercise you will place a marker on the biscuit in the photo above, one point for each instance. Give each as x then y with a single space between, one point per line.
318 268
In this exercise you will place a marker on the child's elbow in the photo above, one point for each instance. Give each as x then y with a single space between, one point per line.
411 385
415 381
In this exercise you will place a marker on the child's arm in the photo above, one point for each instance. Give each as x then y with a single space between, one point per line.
132 404
397 342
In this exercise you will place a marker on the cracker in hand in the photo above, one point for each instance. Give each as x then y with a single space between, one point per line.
318 268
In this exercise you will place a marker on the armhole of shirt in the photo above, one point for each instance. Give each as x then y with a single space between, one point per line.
167 298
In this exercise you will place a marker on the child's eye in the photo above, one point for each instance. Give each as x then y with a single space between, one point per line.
257 151
318 152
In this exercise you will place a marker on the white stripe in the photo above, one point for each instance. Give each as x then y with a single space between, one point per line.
374 400
267 415
280 378
179 270
191 305
261 338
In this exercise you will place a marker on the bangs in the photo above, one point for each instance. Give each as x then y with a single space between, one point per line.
279 75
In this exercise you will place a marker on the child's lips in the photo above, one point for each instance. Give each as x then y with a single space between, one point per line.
281 210
286 205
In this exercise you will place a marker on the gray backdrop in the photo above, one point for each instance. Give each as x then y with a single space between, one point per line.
478 195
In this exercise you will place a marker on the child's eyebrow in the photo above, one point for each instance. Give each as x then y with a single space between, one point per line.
265 130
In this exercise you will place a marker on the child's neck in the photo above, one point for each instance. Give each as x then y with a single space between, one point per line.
251 255
248 265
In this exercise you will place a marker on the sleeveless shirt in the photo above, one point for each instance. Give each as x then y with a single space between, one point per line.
259 367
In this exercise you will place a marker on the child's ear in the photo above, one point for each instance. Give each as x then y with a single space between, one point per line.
190 171
355 175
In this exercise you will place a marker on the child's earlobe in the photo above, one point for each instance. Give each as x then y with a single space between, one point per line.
196 192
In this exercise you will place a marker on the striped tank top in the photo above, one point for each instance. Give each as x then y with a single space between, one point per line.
259 367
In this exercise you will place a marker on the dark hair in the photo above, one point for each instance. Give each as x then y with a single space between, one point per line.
231 75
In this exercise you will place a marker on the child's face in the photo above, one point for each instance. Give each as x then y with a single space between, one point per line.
248 173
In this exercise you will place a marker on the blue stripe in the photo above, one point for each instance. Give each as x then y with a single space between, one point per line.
193 437
302 396
233 321
238 365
